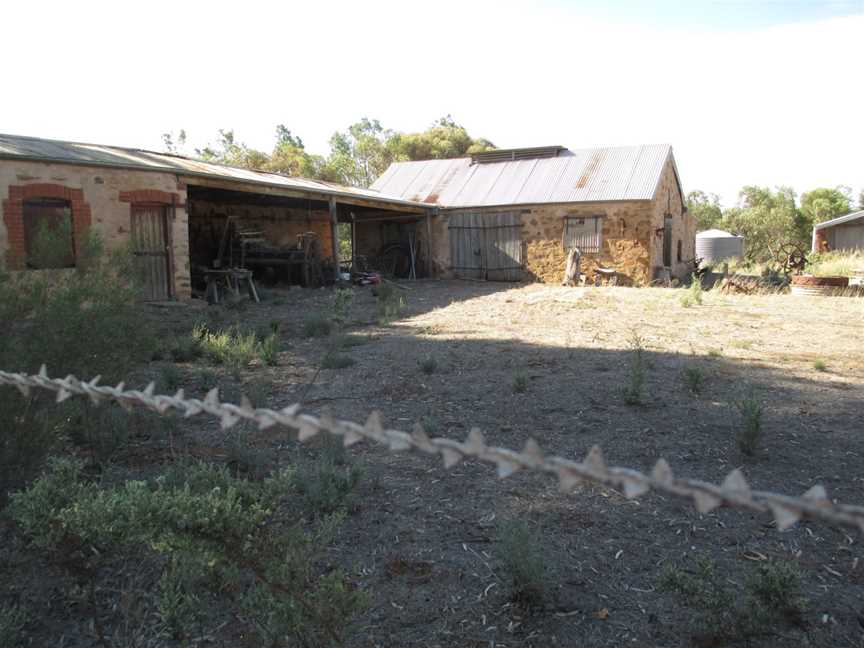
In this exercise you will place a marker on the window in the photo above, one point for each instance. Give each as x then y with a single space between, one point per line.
585 233
679 251
48 236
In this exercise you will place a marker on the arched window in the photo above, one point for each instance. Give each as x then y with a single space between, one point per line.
49 241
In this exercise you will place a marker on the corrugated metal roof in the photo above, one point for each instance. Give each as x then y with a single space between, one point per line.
840 220
33 148
581 175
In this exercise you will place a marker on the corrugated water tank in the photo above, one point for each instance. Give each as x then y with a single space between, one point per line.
716 245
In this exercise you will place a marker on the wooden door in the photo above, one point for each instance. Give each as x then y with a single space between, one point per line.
486 246
466 245
502 233
150 251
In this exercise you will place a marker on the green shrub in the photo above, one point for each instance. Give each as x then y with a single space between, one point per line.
231 347
12 622
268 350
520 382
170 379
693 294
694 378
333 360
770 601
819 365
186 348
750 430
521 553
428 365
342 299
327 484
317 325
390 303
634 392
210 532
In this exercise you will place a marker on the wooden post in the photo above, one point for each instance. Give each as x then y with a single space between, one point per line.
334 237
429 266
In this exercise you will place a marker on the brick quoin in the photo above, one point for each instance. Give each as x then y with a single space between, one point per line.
13 216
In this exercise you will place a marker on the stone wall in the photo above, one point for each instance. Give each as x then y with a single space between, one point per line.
625 241
95 194
669 201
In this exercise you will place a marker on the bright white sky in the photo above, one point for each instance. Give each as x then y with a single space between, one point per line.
763 92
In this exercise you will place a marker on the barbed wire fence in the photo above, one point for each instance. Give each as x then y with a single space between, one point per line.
733 492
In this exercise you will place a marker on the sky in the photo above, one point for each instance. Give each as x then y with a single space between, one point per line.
765 92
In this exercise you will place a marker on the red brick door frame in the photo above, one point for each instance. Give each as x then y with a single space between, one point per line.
13 217
170 201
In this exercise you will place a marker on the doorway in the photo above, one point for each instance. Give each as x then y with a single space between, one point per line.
150 251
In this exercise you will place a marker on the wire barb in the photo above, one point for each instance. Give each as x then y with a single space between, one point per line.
734 492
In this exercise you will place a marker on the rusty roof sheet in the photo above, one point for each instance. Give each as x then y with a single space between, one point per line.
37 149
580 175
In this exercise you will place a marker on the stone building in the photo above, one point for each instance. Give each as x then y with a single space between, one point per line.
510 214
173 210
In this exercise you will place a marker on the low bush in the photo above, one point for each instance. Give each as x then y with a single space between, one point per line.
317 325
521 553
771 600
819 365
694 378
268 350
428 365
12 622
750 429
333 360
520 382
221 542
80 321
390 303
327 483
634 392
693 294
232 347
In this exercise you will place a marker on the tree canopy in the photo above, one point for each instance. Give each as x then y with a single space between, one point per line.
705 209
358 155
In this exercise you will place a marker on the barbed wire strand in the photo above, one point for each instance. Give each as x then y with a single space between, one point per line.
733 492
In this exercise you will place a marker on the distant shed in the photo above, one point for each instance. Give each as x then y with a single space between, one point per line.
843 233
717 245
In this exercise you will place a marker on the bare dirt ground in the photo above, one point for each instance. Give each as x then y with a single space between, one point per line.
420 540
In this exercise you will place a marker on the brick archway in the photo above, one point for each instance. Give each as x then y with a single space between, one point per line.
13 217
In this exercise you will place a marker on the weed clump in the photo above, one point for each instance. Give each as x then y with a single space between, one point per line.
694 378
12 621
819 365
771 600
693 294
428 365
390 304
750 430
520 382
327 484
268 350
634 392
334 360
317 325
520 551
